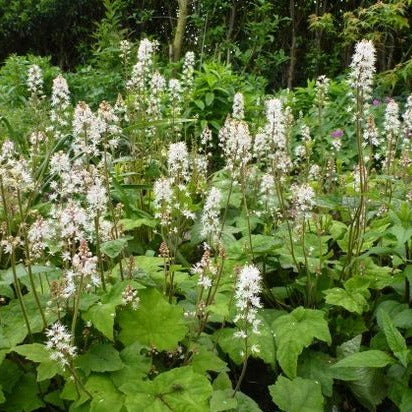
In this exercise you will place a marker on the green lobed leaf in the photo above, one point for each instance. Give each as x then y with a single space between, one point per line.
100 357
394 338
25 395
2 397
369 387
113 248
353 298
297 395
406 403
317 366
246 404
296 331
366 359
180 389
156 323
206 360
106 398
35 352
222 400
102 317
136 365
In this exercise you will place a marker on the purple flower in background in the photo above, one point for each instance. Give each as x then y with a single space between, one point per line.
376 102
336 134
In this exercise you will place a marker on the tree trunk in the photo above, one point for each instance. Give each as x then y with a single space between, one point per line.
230 30
180 29
292 62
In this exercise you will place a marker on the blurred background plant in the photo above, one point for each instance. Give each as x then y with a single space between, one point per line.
286 42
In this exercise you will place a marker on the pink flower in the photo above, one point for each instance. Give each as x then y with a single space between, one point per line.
336 134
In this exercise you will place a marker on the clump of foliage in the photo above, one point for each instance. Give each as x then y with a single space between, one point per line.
191 244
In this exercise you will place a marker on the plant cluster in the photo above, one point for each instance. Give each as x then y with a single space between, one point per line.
153 259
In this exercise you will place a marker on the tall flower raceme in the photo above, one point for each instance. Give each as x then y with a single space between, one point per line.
247 301
175 98
109 124
392 127
40 235
59 344
372 139
87 131
407 122
188 71
97 197
141 70
303 199
236 142
267 194
360 81
14 171
163 200
120 109
125 51
363 69
271 143
178 162
238 110
205 269
303 151
82 273
35 83
210 216
60 103
157 88
322 89
130 297
206 143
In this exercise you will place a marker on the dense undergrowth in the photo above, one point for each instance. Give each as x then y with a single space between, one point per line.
192 244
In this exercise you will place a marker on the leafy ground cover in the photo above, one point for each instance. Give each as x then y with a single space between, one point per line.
196 245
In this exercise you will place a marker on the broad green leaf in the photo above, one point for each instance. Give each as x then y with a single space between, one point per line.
353 298
130 224
102 315
179 389
317 366
369 387
13 329
222 400
9 375
25 395
113 248
233 346
100 357
53 398
204 360
366 359
106 398
246 404
351 346
136 365
394 338
48 370
406 403
297 395
222 382
35 352
155 323
296 331
2 397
